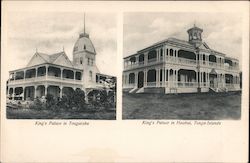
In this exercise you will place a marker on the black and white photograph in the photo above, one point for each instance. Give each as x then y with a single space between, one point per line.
182 66
124 81
60 65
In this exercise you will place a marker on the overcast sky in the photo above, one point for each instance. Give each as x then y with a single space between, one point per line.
222 32
50 31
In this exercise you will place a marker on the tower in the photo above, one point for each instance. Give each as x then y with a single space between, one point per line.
84 57
194 35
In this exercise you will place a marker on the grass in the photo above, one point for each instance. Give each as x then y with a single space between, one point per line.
205 106
50 114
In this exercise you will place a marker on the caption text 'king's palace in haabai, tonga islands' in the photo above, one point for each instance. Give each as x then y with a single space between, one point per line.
178 66
55 74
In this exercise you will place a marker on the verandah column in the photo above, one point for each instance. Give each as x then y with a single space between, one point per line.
164 77
35 87
61 89
136 79
157 75
46 90
13 94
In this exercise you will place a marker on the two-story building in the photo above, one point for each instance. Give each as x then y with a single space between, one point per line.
55 73
178 66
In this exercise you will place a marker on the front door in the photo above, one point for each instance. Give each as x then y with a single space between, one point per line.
213 80
140 79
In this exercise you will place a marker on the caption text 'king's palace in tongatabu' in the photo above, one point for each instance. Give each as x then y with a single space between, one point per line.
178 66
55 74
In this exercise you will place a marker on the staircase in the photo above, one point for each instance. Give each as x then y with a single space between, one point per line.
211 89
133 90
140 90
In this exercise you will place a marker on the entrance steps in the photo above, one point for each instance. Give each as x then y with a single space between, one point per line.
211 89
140 90
133 90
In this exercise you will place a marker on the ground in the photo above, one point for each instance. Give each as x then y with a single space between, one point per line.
50 114
205 106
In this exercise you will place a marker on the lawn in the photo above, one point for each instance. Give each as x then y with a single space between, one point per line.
205 106
50 114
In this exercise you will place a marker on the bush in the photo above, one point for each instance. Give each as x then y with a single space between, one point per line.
73 100
37 105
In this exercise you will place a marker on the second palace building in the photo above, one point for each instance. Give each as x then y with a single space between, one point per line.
179 66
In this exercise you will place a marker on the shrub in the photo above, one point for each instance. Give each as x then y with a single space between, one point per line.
37 105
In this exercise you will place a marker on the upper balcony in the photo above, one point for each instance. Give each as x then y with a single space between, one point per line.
181 57
45 73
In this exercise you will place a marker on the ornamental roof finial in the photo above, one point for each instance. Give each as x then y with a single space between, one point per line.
84 23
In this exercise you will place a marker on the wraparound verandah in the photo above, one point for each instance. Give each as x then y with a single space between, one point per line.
38 91
160 77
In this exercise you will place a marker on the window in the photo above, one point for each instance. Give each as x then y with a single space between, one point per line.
90 75
92 62
84 47
81 60
88 61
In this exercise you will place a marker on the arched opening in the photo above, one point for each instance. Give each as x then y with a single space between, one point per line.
78 75
29 93
10 93
68 74
40 91
131 78
54 71
213 78
141 58
204 77
140 79
229 78
229 62
41 71
132 60
67 90
152 55
186 54
31 73
19 75
54 91
171 52
171 75
93 95
212 58
19 93
186 77
151 75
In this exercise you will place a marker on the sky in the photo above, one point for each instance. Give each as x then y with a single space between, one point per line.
221 31
49 32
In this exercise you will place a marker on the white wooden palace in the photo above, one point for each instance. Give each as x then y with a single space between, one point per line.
178 66
54 74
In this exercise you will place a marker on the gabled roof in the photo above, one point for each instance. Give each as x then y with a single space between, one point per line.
48 58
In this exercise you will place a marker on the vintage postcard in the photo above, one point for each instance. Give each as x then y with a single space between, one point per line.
133 81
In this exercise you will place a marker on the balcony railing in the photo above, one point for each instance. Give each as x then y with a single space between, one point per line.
179 60
186 61
131 85
187 84
45 78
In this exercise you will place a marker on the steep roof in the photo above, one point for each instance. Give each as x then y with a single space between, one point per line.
40 58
